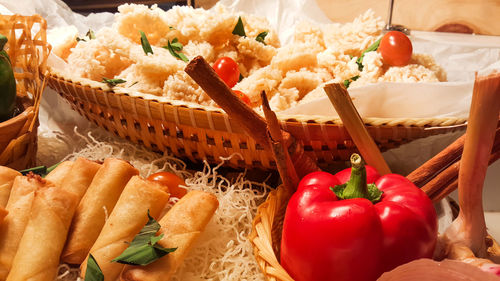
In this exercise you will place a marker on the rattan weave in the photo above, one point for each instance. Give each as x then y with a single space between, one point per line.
28 51
199 133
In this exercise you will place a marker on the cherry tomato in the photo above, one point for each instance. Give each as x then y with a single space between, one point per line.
228 71
395 48
243 97
172 181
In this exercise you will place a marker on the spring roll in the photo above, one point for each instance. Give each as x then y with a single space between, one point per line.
57 175
37 257
96 204
128 217
181 226
7 176
19 207
80 176
3 214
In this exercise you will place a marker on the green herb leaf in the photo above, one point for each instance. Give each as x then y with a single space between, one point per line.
239 29
78 39
260 38
174 48
347 82
171 28
113 82
94 272
373 47
133 84
90 34
144 249
40 170
145 43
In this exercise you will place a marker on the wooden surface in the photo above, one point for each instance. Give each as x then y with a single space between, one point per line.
477 16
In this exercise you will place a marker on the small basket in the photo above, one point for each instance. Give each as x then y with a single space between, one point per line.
201 133
28 51
266 235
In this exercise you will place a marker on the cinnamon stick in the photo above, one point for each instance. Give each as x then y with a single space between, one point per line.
253 124
438 191
283 162
203 74
355 126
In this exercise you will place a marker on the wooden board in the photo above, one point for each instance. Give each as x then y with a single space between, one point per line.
468 16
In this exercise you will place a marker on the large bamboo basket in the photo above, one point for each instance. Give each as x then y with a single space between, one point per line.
28 51
200 133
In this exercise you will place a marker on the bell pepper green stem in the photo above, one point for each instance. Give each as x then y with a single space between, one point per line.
356 186
3 41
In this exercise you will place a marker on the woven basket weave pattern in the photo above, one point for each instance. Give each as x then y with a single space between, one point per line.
28 51
199 134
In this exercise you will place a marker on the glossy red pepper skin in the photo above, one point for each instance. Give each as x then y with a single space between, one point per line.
355 240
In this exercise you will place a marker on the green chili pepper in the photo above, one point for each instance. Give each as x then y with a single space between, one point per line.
7 84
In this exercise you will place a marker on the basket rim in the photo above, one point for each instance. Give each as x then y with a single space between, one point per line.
428 123
21 117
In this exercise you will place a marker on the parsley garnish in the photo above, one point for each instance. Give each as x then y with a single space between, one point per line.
175 48
144 249
239 29
113 82
145 43
373 47
260 38
347 82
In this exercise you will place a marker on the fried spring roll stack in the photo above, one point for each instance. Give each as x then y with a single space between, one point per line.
3 214
80 176
181 226
128 217
37 257
7 176
57 175
96 204
14 225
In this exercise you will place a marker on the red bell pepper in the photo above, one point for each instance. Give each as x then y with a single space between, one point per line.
338 227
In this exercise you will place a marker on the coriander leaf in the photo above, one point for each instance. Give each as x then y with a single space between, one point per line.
347 82
90 34
239 29
94 272
174 48
373 47
78 39
260 38
113 82
144 249
145 43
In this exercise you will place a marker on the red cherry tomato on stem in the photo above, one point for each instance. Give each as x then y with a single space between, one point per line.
172 181
395 48
243 97
228 71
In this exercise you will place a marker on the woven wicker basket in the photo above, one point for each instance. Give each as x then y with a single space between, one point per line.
28 51
266 235
199 133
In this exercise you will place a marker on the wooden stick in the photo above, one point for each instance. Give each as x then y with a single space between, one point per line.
354 124
469 228
253 124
